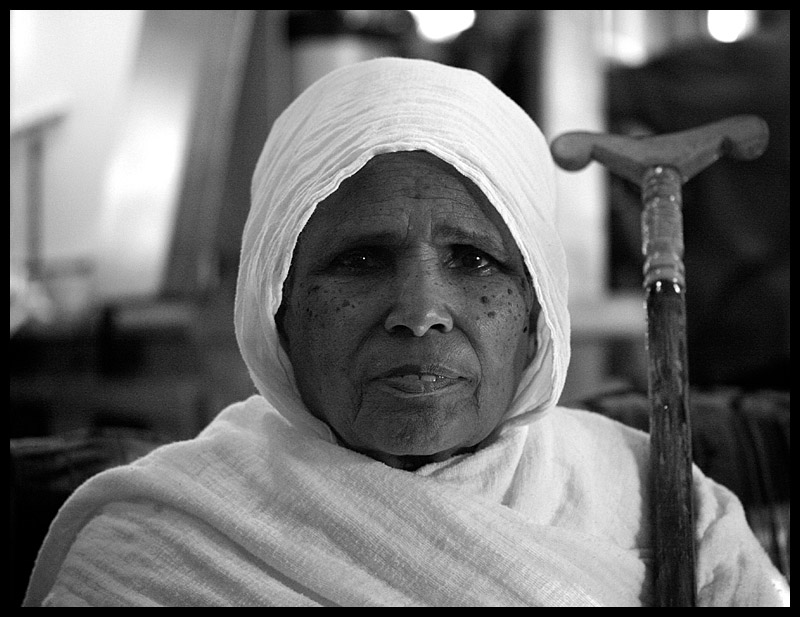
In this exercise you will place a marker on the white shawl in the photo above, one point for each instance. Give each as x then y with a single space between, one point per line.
265 508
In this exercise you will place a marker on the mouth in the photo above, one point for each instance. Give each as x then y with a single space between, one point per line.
416 380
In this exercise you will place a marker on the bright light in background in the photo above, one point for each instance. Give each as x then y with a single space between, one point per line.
442 26
625 35
730 26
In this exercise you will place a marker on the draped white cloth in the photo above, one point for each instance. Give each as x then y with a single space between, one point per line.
265 508
258 512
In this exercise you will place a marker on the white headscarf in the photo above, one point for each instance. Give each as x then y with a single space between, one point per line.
388 105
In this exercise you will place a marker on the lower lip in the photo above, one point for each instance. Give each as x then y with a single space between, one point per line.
410 387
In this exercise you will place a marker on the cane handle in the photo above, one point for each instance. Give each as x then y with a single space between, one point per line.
689 152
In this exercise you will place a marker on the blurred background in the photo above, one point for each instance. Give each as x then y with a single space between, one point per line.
134 134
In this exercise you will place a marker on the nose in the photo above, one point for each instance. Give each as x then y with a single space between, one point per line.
420 303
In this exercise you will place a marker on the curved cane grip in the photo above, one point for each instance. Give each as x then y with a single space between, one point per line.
690 152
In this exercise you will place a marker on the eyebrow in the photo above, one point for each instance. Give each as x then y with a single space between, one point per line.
450 234
479 238
357 238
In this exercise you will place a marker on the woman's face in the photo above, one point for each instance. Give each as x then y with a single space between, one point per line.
407 314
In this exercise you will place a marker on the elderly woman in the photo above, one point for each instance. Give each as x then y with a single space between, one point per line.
401 306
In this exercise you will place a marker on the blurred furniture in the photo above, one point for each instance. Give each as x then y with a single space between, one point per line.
129 366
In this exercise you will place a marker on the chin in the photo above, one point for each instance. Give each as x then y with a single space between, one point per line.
412 454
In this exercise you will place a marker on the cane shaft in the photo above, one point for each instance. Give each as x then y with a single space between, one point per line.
670 429
670 442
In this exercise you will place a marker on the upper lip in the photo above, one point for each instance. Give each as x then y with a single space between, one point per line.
420 369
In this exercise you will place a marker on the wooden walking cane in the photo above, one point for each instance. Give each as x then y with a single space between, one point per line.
660 165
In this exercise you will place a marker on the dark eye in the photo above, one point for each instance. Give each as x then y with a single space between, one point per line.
473 260
358 261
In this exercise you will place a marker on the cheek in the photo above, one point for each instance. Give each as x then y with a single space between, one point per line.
323 328
502 313
501 321
320 317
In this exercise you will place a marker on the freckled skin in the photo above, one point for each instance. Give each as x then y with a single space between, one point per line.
381 280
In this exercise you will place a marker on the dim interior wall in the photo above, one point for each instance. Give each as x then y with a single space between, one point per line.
76 63
139 154
573 99
573 92
145 173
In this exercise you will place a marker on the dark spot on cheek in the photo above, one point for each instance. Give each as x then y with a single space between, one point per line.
491 314
484 299
509 291
525 329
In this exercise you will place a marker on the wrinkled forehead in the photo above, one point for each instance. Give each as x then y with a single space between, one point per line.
392 191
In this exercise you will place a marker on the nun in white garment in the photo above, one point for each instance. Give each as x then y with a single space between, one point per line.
402 309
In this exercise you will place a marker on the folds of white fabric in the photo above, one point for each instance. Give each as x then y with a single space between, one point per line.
308 522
